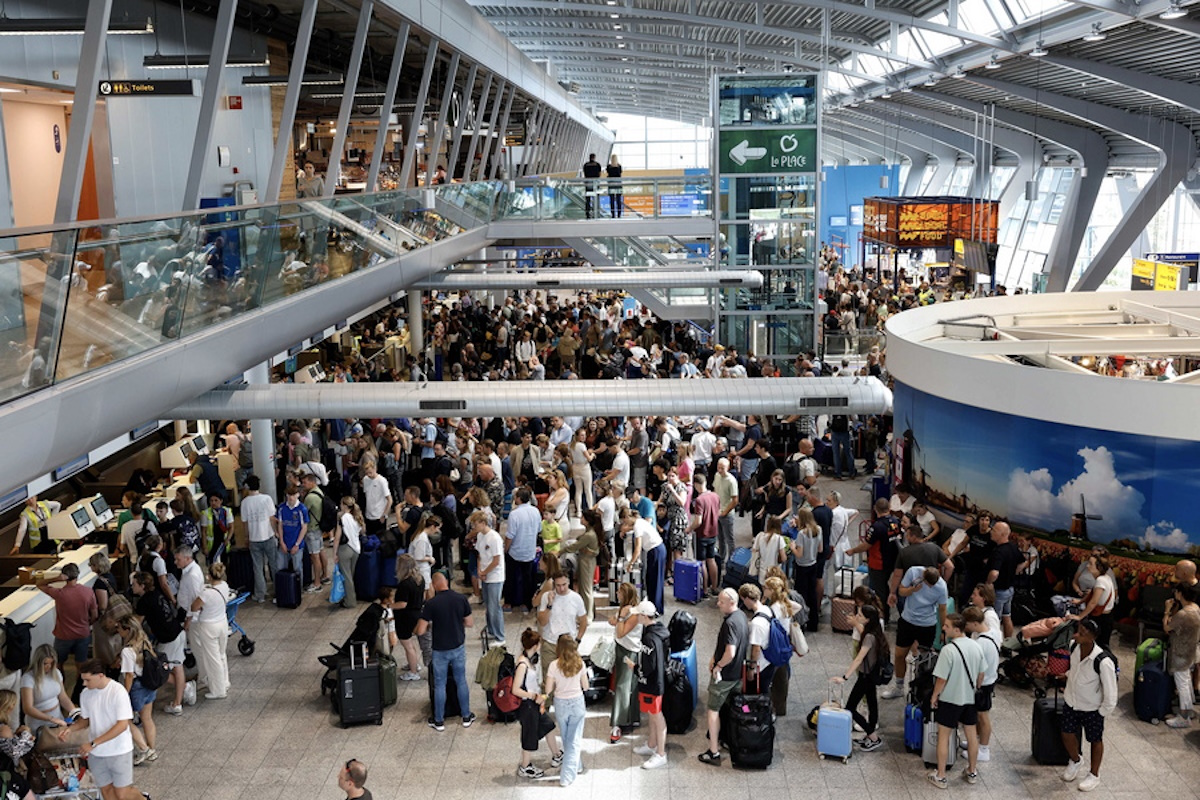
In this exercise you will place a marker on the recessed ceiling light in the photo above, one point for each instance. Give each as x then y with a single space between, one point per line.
616 27
1039 51
886 95
614 16
6 90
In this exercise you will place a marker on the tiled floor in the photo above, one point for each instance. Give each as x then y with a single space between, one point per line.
274 737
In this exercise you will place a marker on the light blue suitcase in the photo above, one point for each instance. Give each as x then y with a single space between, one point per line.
688 658
835 728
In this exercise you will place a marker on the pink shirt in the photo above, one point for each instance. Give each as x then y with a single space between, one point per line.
74 609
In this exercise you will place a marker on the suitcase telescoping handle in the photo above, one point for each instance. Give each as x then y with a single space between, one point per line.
829 693
355 647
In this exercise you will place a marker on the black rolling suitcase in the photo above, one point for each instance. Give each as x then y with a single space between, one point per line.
359 698
287 588
1046 737
240 568
750 732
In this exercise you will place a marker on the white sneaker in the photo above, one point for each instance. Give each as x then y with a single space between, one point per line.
643 750
140 756
1089 783
1072 770
655 762
1179 722
892 692
985 754
174 710
410 676
189 693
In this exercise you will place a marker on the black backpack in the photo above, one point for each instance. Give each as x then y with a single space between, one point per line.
329 516
791 469
154 669
18 644
682 629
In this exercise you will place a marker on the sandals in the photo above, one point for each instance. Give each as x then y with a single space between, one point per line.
709 758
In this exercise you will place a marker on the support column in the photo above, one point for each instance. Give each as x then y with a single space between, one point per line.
351 84
414 124
498 145
464 115
291 99
469 172
83 111
416 327
439 130
385 108
533 136
262 435
209 101
486 145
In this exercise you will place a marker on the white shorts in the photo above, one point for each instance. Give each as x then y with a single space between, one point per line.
173 650
112 770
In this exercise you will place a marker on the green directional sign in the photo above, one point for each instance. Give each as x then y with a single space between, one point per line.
775 151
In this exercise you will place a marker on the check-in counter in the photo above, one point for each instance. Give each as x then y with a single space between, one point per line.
30 604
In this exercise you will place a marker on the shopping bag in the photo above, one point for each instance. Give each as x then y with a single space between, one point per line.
337 592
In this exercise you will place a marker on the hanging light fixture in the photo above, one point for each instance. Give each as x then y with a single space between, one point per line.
1174 11
1039 51
157 61
1095 34
309 79
959 73
993 64
931 80
1031 190
905 89
67 26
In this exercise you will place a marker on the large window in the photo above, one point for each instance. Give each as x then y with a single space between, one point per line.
652 143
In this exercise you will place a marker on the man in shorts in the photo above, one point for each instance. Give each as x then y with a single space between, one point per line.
989 641
1090 696
706 509
925 593
724 668
651 674
105 711
958 673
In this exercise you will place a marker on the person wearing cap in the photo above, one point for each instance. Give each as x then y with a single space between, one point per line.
652 682
1090 697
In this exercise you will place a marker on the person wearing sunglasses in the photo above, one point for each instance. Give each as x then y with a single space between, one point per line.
351 780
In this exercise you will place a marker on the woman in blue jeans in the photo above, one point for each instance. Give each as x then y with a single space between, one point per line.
566 679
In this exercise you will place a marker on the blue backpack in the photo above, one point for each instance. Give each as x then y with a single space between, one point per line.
779 642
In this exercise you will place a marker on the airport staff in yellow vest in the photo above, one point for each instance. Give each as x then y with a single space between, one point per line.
33 522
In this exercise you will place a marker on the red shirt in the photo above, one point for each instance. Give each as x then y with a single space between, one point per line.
708 507
74 608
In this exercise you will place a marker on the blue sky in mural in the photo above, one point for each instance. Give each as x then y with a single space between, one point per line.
1039 474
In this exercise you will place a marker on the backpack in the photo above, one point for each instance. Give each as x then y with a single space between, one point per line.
884 670
139 538
329 520
154 669
1103 654
682 630
245 458
792 473
779 642
18 644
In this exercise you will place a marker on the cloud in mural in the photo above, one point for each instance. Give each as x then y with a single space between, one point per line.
1164 536
1033 501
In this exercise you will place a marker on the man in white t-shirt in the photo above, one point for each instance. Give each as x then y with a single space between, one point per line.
620 465
378 499
561 613
106 714
257 511
490 546
760 633
702 449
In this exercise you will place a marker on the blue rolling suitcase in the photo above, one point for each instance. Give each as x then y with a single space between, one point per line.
287 588
1152 693
689 582
688 659
366 575
880 488
835 728
737 568
914 728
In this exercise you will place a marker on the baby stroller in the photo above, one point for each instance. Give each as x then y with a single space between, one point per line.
366 629
245 644
1039 654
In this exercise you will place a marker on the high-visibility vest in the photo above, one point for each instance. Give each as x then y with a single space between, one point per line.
34 530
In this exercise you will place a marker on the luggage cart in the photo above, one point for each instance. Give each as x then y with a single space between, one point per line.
72 768
245 644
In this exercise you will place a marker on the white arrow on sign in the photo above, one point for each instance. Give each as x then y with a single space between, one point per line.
743 152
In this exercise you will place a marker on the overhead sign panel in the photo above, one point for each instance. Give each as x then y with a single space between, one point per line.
771 150
177 88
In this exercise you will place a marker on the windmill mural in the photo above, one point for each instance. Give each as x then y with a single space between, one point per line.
1079 520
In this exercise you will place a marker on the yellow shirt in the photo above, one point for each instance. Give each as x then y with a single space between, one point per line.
551 536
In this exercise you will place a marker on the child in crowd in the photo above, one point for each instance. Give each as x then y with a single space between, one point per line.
551 531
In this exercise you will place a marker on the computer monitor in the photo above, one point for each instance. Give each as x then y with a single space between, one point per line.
81 518
186 451
200 445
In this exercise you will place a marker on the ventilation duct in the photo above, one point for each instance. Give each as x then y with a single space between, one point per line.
543 399
584 279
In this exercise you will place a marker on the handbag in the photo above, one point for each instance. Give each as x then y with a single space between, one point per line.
604 654
337 592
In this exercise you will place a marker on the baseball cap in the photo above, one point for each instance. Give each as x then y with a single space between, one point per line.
646 608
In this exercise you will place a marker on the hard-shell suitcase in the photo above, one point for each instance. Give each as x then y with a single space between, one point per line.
751 731
1046 743
688 659
388 690
287 588
835 728
366 575
737 568
929 745
1152 693
914 728
880 488
358 691
599 683
841 609
689 581
240 568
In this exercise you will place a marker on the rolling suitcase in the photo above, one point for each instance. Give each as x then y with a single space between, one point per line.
366 575
929 745
914 728
388 690
287 588
1148 652
835 728
679 699
841 609
689 581
1046 742
751 731
737 568
358 691
688 659
1152 693
240 570
452 707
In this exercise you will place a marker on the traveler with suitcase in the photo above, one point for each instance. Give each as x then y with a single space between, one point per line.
535 722
651 682
449 614
1090 697
866 669
291 523
628 643
925 595
725 666
706 509
958 673
567 680
882 546
1181 621
349 545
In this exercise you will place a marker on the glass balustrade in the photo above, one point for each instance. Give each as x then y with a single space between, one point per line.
74 298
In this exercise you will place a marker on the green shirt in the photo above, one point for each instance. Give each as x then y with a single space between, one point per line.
726 488
960 678
313 502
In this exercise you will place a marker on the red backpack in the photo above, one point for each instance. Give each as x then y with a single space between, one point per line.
504 698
